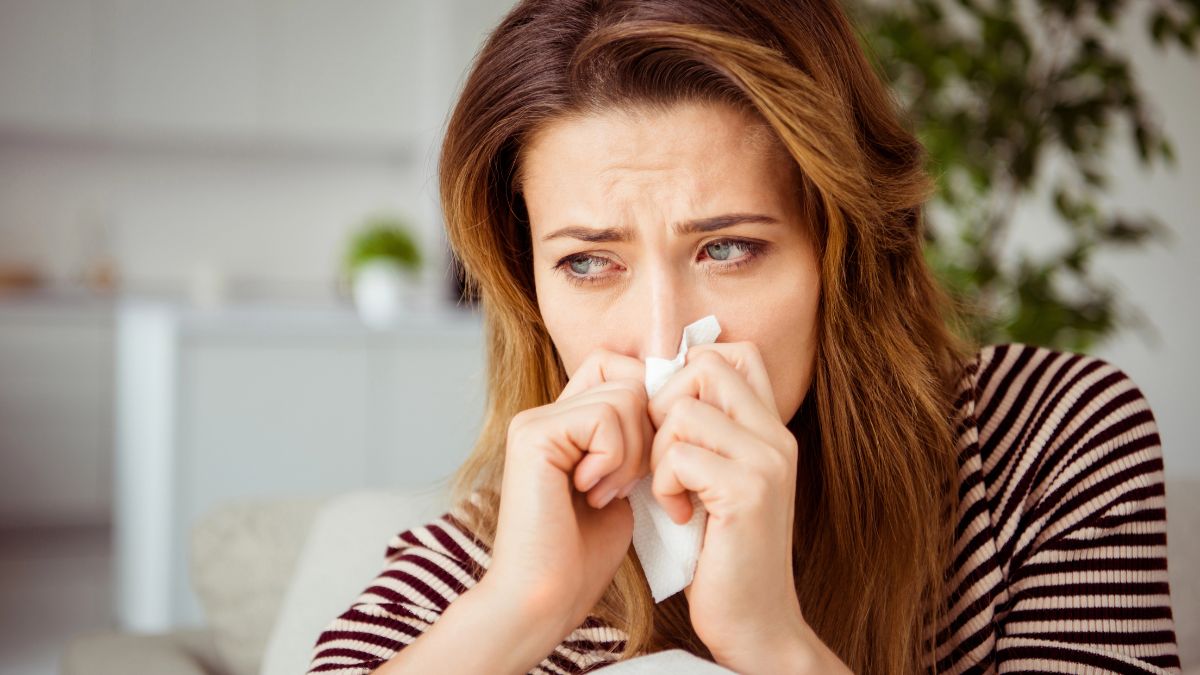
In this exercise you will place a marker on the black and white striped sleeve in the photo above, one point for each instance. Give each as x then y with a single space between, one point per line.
1086 544
426 569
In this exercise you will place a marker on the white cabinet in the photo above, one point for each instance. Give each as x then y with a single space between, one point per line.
255 403
55 414
426 404
285 417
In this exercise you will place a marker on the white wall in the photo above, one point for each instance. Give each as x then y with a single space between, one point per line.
1160 280
277 222
250 135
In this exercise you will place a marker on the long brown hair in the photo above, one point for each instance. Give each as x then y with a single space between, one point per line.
876 484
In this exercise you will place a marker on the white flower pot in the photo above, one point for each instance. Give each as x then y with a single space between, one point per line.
383 292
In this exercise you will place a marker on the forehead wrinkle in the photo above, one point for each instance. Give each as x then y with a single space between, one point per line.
667 188
648 174
618 182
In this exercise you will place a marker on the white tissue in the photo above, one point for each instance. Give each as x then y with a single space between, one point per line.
668 551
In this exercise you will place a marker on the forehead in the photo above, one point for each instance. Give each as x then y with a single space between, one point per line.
694 147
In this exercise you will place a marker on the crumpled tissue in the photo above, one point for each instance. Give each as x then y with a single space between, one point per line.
668 551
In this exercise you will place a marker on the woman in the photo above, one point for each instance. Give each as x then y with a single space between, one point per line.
881 497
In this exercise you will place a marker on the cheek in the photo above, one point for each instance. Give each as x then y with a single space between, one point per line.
571 330
556 315
565 336
789 360
577 324
783 323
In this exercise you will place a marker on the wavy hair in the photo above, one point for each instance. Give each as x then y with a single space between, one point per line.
877 478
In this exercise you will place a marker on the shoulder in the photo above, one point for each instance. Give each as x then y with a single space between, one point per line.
999 370
1020 390
1062 518
426 568
1060 435
433 563
450 536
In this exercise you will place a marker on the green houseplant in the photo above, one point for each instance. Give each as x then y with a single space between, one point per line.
381 263
383 236
996 89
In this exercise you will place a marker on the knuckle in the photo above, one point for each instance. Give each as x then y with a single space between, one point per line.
632 391
588 368
670 408
791 447
778 465
708 358
524 438
607 364
546 452
674 452
593 359
679 412
608 412
758 488
677 449
685 406
751 351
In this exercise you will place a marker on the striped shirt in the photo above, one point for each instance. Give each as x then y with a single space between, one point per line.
1059 556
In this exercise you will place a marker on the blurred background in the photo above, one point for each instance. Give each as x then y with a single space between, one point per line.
224 282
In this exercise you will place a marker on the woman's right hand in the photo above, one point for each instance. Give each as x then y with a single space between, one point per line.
560 537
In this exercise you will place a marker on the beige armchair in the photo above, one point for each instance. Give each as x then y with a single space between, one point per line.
272 574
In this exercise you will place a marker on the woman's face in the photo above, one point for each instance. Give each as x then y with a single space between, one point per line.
610 197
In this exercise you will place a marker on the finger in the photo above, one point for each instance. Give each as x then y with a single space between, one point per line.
635 460
594 430
708 377
602 365
639 469
697 423
689 468
601 472
745 358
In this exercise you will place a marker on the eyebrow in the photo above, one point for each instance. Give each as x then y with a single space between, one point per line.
622 234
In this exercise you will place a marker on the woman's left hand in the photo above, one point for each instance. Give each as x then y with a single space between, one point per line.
719 434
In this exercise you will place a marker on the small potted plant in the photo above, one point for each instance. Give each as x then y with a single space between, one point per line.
382 264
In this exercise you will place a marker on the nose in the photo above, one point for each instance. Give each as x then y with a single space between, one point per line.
666 314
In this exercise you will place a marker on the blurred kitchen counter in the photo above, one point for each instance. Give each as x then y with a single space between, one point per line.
244 315
262 401
56 300
56 423
146 412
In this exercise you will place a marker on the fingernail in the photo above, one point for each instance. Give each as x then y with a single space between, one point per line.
608 497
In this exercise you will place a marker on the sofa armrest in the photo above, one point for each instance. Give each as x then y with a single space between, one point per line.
182 652
670 661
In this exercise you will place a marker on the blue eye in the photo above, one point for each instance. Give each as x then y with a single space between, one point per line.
724 246
585 261
576 268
